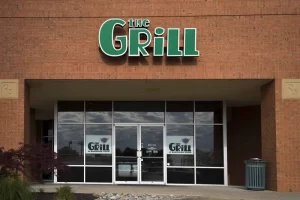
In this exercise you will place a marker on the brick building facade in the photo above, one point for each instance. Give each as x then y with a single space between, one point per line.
238 40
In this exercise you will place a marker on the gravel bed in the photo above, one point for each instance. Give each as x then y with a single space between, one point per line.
114 196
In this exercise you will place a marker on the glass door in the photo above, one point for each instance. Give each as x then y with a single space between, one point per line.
152 154
139 154
126 154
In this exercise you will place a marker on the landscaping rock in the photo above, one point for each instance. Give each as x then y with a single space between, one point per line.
110 196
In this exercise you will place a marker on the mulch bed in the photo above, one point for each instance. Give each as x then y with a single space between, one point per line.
51 196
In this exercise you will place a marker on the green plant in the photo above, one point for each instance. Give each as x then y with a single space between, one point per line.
15 189
64 193
41 190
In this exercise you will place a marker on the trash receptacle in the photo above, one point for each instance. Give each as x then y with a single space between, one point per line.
255 174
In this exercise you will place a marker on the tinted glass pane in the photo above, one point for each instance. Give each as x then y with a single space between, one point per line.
70 143
152 141
180 160
70 106
152 169
98 112
126 169
98 159
70 112
181 132
139 112
208 112
183 176
73 174
98 174
209 145
98 131
210 176
180 112
126 141
70 117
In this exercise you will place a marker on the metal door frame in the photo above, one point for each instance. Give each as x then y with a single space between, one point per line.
139 172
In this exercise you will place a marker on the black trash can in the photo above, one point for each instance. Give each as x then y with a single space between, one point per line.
255 174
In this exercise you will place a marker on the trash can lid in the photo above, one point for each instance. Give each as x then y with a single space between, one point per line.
255 159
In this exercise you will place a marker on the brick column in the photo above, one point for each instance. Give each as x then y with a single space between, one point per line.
281 137
268 133
14 114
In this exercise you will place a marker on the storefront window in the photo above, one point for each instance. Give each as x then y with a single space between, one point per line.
209 145
210 176
208 112
181 176
98 111
139 112
70 112
98 174
180 145
70 143
73 174
180 112
98 136
139 134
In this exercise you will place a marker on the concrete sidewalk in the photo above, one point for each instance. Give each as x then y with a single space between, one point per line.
210 192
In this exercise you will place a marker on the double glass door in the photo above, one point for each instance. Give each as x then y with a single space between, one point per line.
139 154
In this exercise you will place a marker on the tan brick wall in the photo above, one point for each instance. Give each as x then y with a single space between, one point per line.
243 39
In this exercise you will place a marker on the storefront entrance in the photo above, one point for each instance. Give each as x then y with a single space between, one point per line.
139 153
141 142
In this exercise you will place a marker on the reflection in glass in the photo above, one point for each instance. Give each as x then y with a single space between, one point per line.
70 143
182 176
209 146
126 169
73 174
139 112
152 169
180 112
152 141
210 176
180 160
99 130
126 153
98 112
180 130
98 159
126 141
208 112
98 174
70 111
70 117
